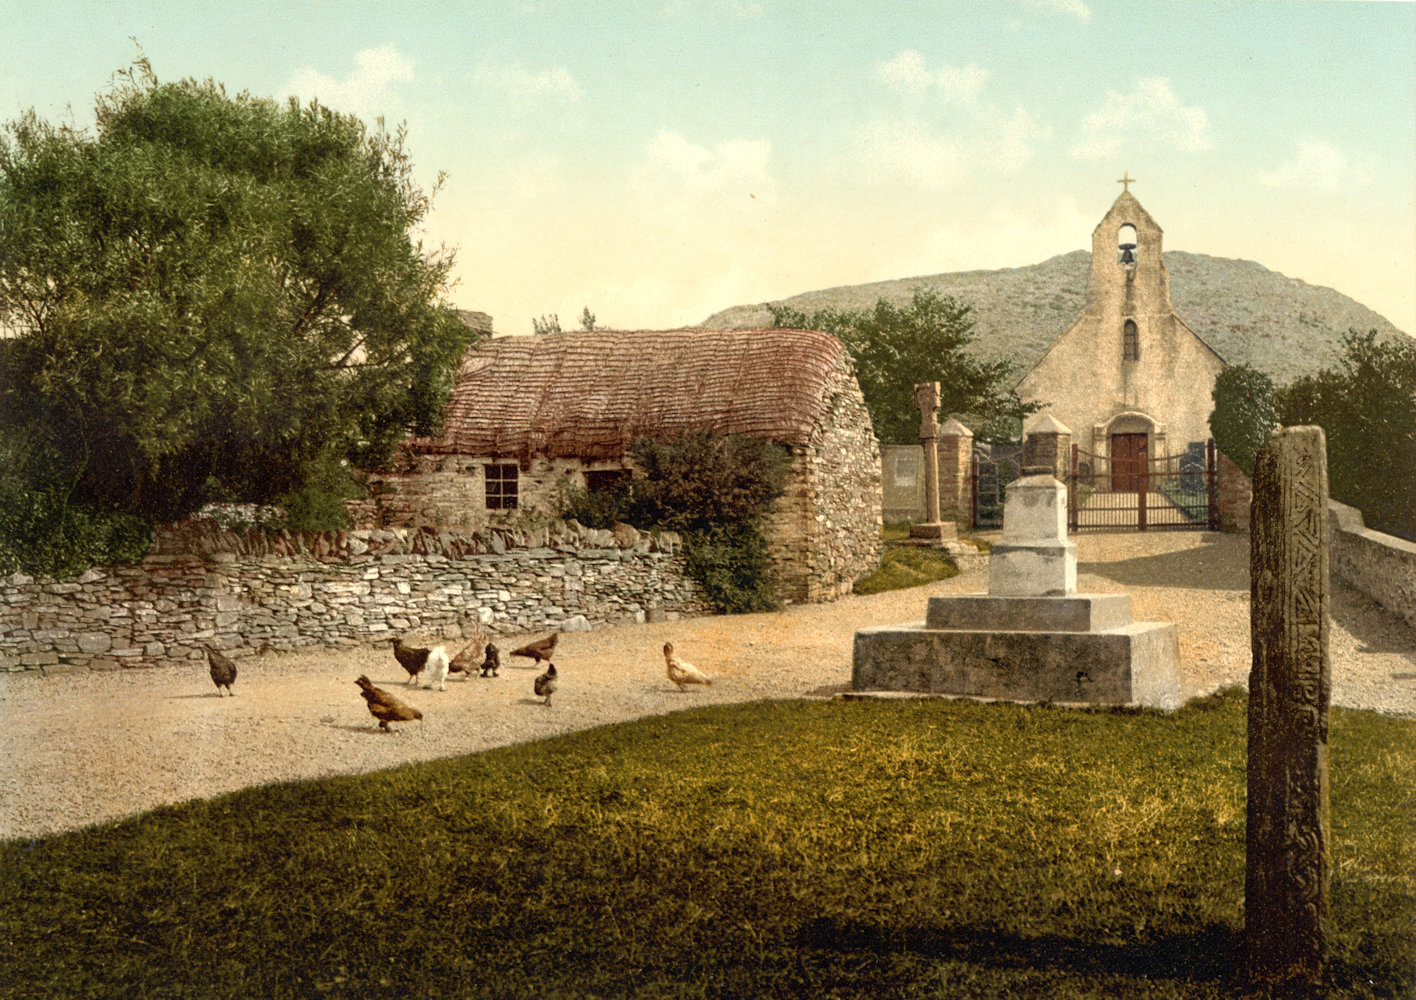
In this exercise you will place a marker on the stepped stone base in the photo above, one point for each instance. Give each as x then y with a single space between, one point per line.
985 612
1131 664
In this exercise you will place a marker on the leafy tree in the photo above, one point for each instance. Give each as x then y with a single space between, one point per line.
587 319
544 326
1244 413
213 295
895 347
1366 406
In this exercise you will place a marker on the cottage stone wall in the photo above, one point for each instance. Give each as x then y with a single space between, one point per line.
824 532
451 491
242 592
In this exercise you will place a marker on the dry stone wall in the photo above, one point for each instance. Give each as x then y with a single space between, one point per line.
247 591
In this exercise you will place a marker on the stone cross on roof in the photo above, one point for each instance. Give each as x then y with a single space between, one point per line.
1126 181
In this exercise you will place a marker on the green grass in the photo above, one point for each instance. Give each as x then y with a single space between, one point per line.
903 565
812 849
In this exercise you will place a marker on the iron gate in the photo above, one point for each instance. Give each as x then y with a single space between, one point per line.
994 467
1131 490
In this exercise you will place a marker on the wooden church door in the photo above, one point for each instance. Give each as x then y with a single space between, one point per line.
1128 462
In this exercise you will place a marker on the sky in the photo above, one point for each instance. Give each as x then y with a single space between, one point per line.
659 161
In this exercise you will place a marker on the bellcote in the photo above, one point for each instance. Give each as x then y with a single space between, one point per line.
1126 252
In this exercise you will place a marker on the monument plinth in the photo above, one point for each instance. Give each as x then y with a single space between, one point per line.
1032 637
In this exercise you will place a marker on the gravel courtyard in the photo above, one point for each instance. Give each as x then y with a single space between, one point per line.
86 748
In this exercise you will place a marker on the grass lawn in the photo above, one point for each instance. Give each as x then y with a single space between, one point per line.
815 849
903 565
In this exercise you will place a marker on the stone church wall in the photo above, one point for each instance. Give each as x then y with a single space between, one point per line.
241 592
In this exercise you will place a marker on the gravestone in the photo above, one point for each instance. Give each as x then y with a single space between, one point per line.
1288 859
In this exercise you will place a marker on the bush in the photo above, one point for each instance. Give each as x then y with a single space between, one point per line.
713 489
1244 414
732 563
41 534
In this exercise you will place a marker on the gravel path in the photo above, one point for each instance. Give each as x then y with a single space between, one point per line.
85 748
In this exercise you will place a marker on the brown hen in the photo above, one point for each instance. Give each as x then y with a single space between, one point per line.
384 706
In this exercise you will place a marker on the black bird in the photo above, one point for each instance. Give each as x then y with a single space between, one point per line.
223 671
546 683
492 663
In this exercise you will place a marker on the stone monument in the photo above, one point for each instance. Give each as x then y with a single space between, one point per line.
932 530
1288 861
1032 637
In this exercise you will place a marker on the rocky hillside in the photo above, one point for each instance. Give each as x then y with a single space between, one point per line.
1243 310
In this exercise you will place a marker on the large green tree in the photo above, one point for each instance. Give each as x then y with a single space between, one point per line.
895 347
1366 406
209 296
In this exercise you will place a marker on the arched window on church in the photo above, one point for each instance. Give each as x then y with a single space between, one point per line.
1130 342
1126 246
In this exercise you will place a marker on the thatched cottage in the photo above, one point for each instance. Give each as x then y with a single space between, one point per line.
528 413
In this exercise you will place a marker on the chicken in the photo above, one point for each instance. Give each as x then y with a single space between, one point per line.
413 658
223 671
682 673
492 663
466 660
546 683
539 650
384 706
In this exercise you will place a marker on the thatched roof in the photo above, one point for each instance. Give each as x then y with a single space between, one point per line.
591 394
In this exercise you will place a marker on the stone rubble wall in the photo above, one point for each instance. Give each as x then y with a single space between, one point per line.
824 532
245 591
1381 566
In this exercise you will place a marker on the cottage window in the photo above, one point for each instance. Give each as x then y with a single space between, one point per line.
501 486
1130 342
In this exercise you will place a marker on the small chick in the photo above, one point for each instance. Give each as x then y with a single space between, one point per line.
492 663
546 683
682 673
223 671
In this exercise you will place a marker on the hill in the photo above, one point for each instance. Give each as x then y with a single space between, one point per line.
1281 325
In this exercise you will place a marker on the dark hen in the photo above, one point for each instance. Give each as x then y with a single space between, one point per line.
223 671
546 683
539 650
413 658
384 706
492 663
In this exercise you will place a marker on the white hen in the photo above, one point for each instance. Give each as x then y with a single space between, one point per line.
682 673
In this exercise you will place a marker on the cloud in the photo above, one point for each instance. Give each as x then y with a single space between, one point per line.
908 74
1075 8
1151 112
520 82
1317 165
737 165
907 151
363 91
908 148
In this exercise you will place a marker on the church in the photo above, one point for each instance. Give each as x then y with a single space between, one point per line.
1128 378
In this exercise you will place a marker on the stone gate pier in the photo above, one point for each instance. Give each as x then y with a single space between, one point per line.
1032 637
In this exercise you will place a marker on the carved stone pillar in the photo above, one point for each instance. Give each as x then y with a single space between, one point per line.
1288 857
